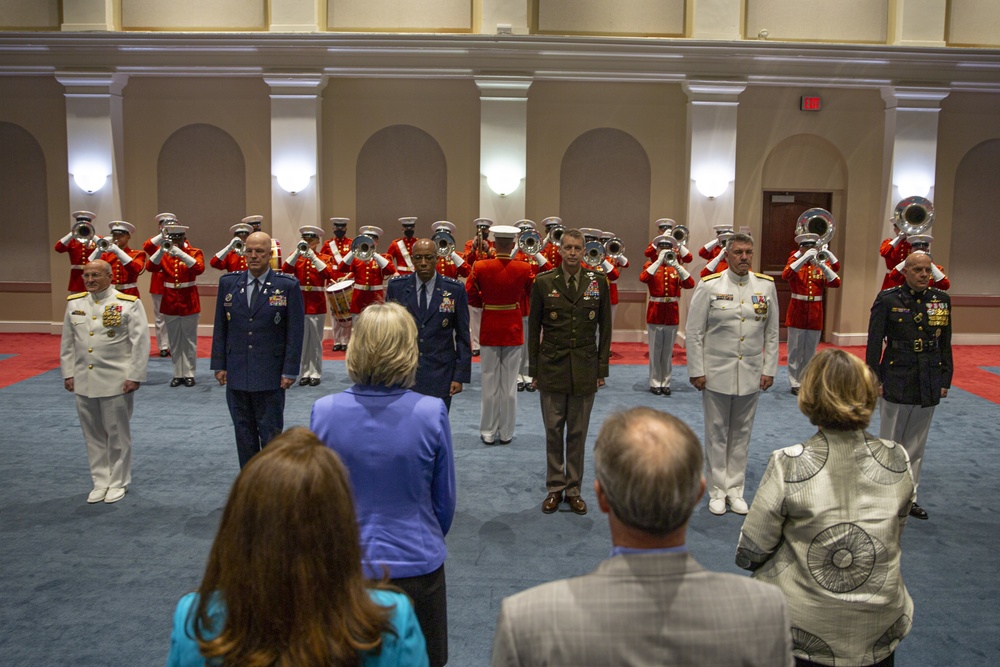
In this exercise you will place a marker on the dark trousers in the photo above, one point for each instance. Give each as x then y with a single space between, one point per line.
566 419
430 602
258 416
888 662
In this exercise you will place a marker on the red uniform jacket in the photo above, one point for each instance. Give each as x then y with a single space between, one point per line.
895 278
446 267
368 282
664 291
551 253
337 248
78 254
180 293
805 308
155 277
312 282
123 277
893 256
231 264
472 257
687 258
535 270
398 257
498 286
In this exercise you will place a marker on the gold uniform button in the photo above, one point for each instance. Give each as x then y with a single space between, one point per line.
90 366
741 357
95 317
91 333
90 350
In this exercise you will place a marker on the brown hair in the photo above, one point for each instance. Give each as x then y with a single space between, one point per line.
286 565
838 391
573 234
649 465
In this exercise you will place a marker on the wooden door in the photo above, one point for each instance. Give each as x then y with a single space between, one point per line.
777 242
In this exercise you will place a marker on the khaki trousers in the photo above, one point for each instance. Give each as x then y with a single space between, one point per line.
566 419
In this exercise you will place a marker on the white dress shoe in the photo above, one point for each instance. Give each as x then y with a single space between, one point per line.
738 505
97 495
717 506
114 495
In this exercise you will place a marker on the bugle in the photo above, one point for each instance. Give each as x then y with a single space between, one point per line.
166 245
239 247
444 243
529 242
593 253
556 234
680 234
363 247
103 244
817 221
83 232
303 247
914 215
614 247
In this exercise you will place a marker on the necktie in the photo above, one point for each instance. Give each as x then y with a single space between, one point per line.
253 291
423 298
572 284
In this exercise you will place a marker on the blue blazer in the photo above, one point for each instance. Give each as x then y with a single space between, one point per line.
257 348
442 333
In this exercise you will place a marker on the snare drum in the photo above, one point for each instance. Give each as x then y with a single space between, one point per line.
339 296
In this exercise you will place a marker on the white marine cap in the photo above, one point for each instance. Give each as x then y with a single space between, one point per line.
665 239
591 232
807 238
121 226
524 224
241 228
445 225
311 229
482 222
371 230
253 219
408 222
164 218
722 229
918 239
552 221
504 232
170 230
606 235
665 223
83 216
340 221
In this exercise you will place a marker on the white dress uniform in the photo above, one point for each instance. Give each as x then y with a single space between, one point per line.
105 341
732 340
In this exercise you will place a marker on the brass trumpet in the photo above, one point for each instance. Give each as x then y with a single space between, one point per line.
444 243
680 234
614 247
529 242
593 253
103 244
556 234
363 247
166 245
914 215
83 232
303 247
239 247
817 221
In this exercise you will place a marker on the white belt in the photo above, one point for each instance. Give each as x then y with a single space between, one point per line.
663 299
76 266
126 286
803 297
179 285
311 288
369 288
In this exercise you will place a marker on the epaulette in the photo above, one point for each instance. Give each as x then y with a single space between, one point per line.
78 295
545 273
711 276
449 279
126 297
398 277
765 276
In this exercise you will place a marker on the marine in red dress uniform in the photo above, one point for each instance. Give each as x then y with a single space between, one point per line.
313 269
714 251
399 250
665 227
452 265
538 263
180 265
664 278
894 251
156 288
126 264
229 259
369 276
337 247
919 243
550 247
78 250
473 254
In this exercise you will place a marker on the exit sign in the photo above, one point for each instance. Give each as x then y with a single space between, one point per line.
810 103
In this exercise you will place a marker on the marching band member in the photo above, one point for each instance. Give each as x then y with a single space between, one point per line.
605 267
619 262
229 259
716 246
538 263
894 251
255 221
478 247
666 228
807 275
919 243
717 264
312 270
497 286
369 274
664 278
550 247
79 246
126 264
400 249
453 265
180 264
337 247
156 288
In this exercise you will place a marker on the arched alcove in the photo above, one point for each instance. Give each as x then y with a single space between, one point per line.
201 178
23 206
974 240
401 171
605 183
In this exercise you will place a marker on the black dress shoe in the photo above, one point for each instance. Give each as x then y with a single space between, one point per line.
577 504
655 391
529 387
176 382
520 386
666 391
164 353
303 382
188 382
551 502
475 353
313 382
506 442
918 512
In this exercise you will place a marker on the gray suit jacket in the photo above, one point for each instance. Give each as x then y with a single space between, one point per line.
645 609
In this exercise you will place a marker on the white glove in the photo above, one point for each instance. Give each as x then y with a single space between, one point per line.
221 255
317 263
94 255
675 262
899 238
828 272
683 273
797 253
622 260
157 240
708 247
457 259
66 239
188 260
607 266
936 272
156 256
832 257
293 258
540 258
899 267
120 254
655 266
682 251
381 261
348 258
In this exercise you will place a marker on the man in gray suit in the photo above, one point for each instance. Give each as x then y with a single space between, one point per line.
650 603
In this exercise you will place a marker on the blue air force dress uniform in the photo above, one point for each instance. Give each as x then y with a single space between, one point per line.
732 340
442 332
257 344
105 341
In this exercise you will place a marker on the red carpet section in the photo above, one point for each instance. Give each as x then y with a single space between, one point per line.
33 354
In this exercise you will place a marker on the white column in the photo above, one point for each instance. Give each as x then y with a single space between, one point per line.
84 15
503 146
912 128
295 152
716 19
711 152
918 22
94 143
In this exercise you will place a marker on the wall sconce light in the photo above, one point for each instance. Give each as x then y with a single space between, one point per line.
90 180
503 182
293 180
913 185
712 186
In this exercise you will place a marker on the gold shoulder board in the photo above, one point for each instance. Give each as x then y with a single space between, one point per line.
764 276
127 297
712 276
78 295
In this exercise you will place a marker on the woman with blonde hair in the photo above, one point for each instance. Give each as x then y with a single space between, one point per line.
396 445
283 584
826 523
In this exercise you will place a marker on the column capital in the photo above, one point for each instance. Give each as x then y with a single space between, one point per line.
92 83
918 98
504 87
296 84
713 92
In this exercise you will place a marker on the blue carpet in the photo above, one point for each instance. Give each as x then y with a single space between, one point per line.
96 585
